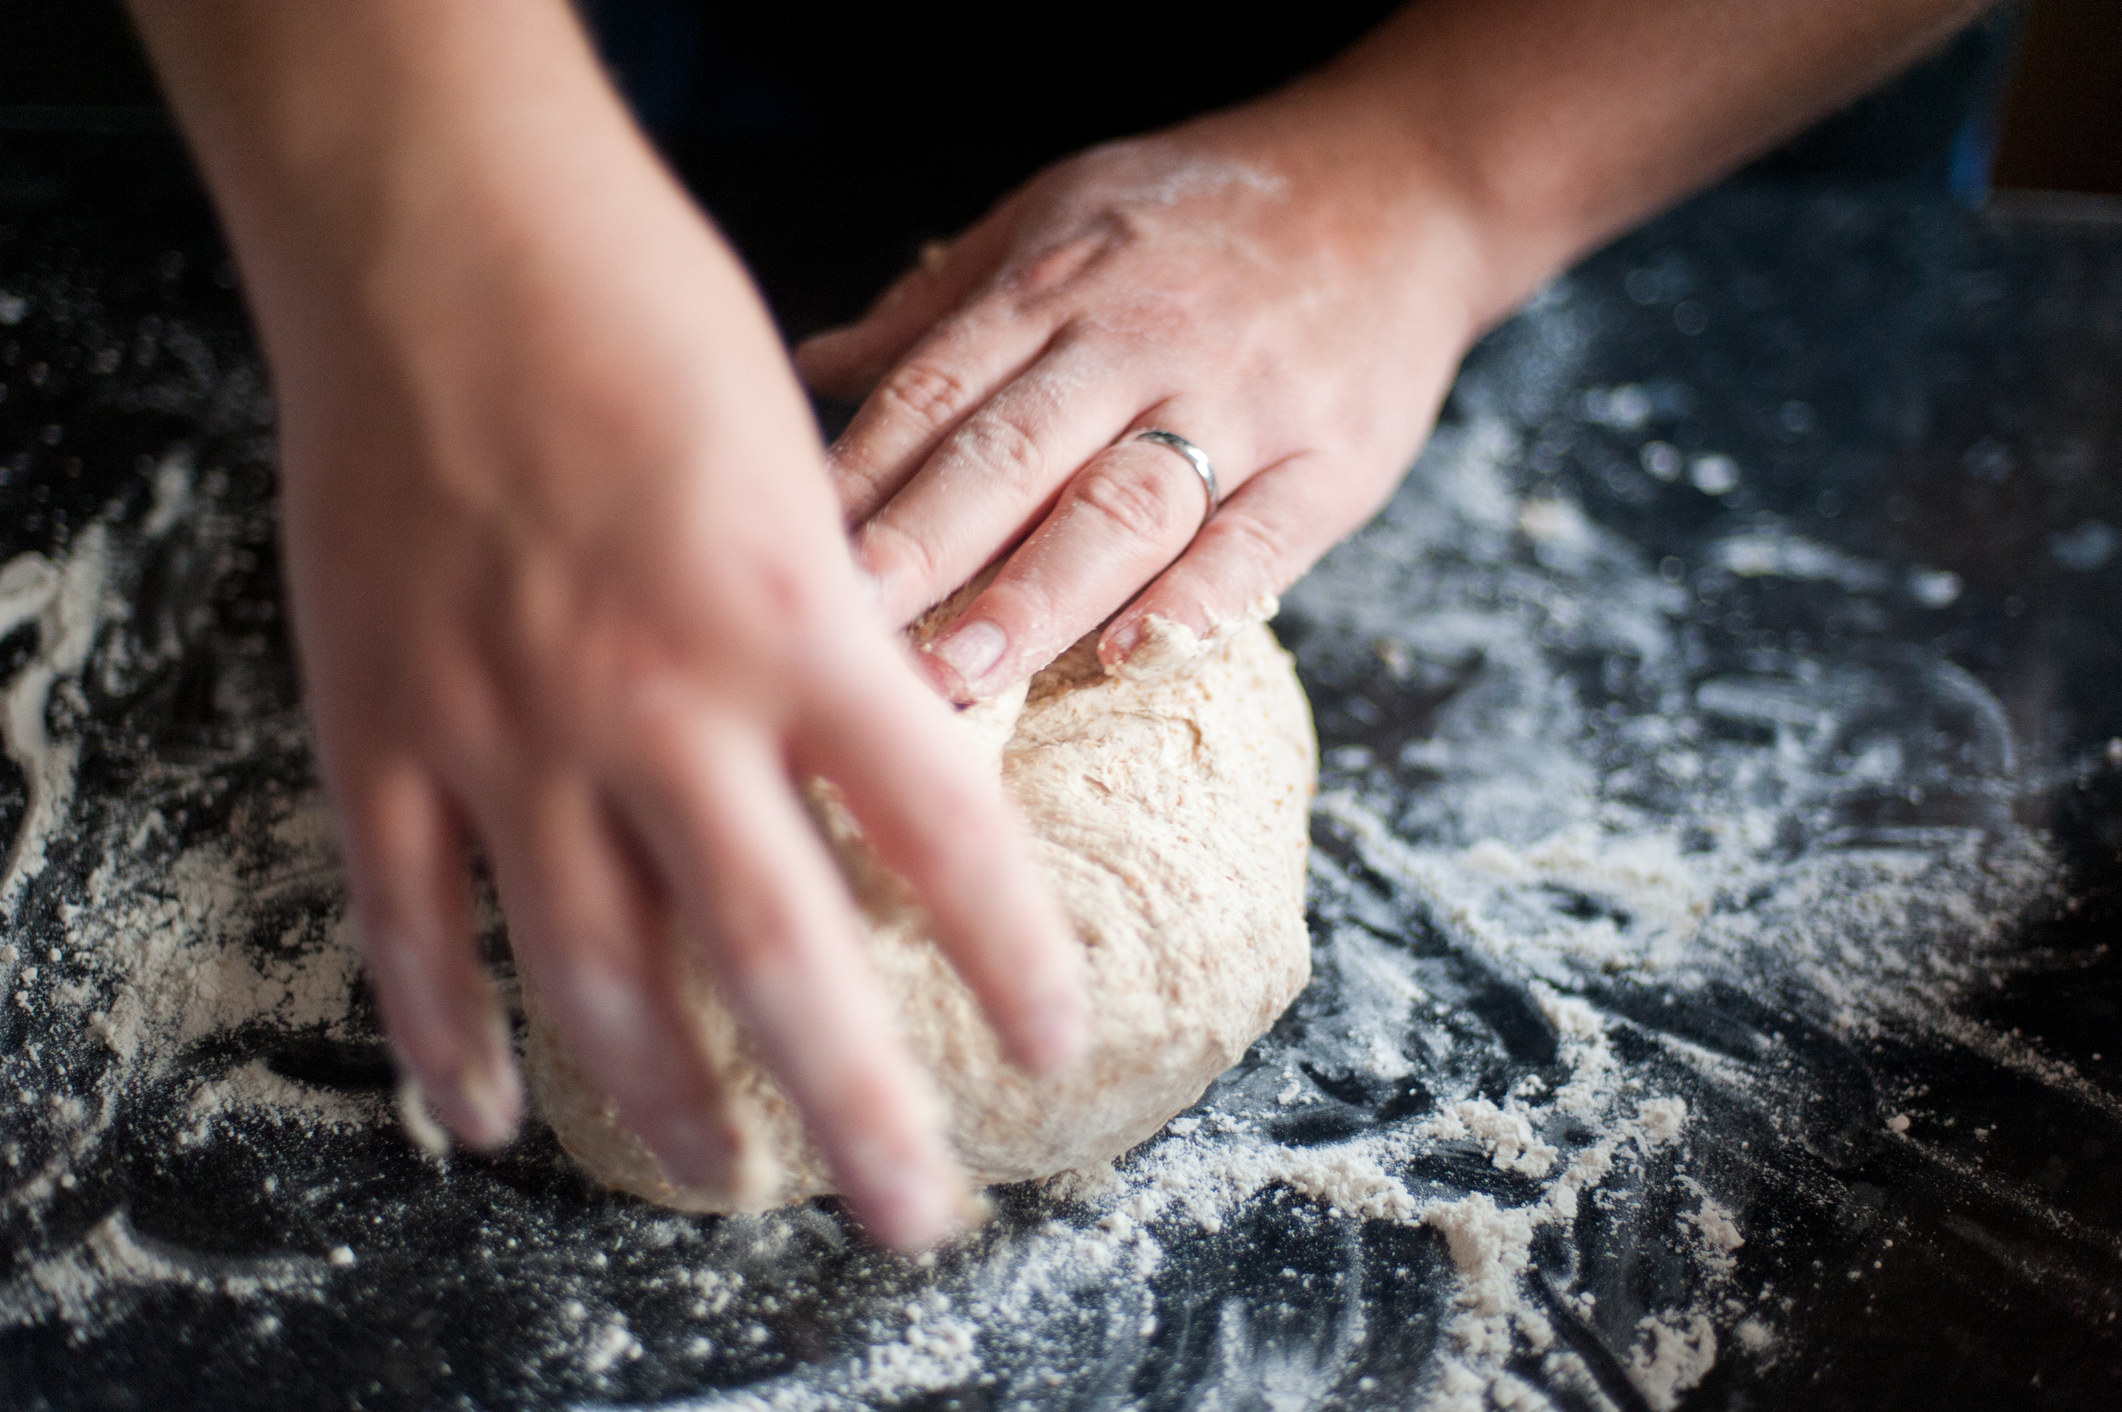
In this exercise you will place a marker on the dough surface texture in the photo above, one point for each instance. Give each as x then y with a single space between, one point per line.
1170 816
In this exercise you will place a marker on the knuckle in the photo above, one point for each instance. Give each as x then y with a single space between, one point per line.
593 937
754 594
606 1005
863 1089
789 602
857 476
656 732
898 292
956 832
1037 282
459 710
928 392
1140 501
1002 444
893 555
389 935
389 829
759 940
1261 547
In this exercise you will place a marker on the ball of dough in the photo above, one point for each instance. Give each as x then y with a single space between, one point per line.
1170 815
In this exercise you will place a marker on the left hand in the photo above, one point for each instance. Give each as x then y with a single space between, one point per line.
1287 293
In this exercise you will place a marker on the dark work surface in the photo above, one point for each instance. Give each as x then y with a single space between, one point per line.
1892 642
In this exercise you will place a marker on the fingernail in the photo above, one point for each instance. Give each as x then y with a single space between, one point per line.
1156 646
1120 645
876 583
693 1153
418 1122
909 1206
972 650
479 1103
974 1210
479 1107
486 1093
490 1102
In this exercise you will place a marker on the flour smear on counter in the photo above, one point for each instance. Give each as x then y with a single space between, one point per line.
1504 850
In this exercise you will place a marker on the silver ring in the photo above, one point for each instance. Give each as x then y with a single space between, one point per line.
1195 457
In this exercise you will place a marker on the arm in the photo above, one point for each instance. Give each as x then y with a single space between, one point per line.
1290 284
1556 124
567 582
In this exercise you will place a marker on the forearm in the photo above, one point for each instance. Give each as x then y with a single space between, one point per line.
358 135
1555 124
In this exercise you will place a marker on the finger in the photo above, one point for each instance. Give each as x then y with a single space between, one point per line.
937 820
1265 535
406 868
992 478
1125 516
588 934
846 362
764 902
949 374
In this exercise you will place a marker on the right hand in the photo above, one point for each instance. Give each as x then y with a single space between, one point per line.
569 581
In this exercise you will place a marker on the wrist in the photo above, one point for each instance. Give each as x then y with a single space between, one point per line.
1500 239
1382 200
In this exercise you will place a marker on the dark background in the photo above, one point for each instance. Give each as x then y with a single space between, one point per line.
831 142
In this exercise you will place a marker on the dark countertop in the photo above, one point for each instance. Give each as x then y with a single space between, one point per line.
1718 777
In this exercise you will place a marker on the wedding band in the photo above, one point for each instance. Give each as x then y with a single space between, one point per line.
1195 457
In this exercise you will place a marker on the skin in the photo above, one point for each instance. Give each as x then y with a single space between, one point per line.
568 580
1290 285
571 575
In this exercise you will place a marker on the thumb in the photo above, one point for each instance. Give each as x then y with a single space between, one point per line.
846 362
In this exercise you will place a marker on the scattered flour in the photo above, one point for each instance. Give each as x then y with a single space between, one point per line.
63 602
1677 1352
85 1283
1521 843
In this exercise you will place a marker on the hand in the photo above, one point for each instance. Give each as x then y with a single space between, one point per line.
564 573
1288 285
568 582
1265 283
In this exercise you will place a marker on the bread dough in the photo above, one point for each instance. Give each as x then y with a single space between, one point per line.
1170 815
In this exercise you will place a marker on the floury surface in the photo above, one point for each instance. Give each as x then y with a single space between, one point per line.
1719 844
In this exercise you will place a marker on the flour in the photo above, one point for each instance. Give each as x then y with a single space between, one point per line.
1507 1133
1717 1234
1166 645
113 1263
61 602
1548 822
277 1100
1677 1352
149 956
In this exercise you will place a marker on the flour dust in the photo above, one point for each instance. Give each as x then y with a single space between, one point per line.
1493 1157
